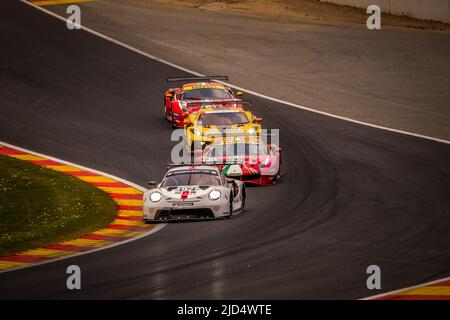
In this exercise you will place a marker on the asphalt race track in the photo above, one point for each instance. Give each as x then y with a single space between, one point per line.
352 196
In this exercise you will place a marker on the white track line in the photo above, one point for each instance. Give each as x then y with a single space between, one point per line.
405 289
152 230
237 87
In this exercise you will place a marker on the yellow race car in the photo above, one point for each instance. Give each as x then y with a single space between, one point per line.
212 122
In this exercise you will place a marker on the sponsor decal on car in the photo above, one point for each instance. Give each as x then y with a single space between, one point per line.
238 170
204 86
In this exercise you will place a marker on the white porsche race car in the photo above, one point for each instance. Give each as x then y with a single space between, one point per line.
193 193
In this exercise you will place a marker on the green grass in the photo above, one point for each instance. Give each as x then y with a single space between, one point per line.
39 206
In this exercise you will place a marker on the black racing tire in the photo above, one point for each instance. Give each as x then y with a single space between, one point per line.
231 206
244 195
278 176
171 120
165 111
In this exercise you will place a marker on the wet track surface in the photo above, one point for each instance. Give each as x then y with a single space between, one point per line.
352 196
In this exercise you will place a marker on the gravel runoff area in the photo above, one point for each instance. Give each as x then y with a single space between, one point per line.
305 10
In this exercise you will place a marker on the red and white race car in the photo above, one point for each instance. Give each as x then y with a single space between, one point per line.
180 102
248 159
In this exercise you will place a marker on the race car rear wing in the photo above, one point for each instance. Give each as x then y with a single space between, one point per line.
205 78
212 103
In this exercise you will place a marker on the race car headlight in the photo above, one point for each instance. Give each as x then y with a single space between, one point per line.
155 196
252 130
214 195
197 132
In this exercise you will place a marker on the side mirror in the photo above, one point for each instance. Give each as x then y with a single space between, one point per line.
239 94
152 183
257 120
230 180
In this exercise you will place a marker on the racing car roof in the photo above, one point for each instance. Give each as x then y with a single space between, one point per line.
222 103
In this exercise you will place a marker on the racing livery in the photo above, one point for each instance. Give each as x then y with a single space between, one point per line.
193 193
180 102
212 122
248 159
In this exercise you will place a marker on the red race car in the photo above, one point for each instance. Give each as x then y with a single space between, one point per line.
248 159
180 102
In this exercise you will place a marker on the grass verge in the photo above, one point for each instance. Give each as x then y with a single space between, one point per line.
39 206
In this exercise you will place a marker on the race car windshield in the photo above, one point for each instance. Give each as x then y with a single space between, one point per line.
238 149
191 179
206 93
223 118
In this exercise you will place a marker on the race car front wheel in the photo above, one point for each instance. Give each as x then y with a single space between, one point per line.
166 112
231 206
243 198
171 119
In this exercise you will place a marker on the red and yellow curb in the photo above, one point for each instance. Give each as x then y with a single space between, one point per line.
127 225
56 2
435 291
